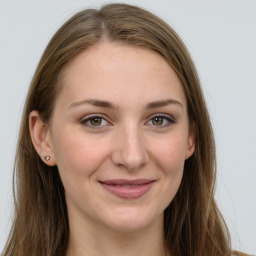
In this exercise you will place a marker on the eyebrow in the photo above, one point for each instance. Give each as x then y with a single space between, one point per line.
94 102
163 103
106 104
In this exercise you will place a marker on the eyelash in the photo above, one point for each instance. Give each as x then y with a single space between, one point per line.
167 118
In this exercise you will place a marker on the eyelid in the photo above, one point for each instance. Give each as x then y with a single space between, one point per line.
162 115
93 115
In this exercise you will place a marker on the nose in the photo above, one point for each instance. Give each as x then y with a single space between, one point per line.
129 149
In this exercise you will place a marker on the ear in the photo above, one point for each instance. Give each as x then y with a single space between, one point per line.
191 142
41 139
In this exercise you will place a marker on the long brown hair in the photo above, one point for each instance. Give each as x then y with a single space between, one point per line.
193 225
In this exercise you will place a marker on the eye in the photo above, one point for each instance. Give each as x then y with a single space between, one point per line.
161 120
94 121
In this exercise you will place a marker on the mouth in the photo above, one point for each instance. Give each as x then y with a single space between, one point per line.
128 189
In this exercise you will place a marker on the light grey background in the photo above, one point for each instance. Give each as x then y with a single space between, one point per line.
221 36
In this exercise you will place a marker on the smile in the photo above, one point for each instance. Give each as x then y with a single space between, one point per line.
128 189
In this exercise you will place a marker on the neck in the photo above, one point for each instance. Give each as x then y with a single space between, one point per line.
95 240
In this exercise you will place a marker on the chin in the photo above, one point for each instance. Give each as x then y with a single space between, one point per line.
132 220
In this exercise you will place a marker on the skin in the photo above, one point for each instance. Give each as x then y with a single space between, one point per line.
128 142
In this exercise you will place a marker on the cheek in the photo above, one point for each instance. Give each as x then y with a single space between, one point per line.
78 155
170 154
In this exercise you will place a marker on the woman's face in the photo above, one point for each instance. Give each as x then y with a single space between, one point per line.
120 135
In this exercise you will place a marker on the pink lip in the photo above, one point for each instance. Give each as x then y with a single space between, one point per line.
128 189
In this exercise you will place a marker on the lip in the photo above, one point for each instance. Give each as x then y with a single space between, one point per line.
128 189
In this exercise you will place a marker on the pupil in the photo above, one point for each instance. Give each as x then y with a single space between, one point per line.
96 121
158 120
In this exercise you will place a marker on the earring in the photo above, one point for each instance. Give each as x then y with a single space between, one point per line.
47 158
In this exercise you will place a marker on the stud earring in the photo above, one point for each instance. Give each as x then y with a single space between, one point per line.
47 158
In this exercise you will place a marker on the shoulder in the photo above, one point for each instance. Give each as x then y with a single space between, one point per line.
235 253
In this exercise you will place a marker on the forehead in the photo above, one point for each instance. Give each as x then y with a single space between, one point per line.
122 73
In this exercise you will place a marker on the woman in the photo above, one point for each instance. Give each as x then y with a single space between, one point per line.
116 153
